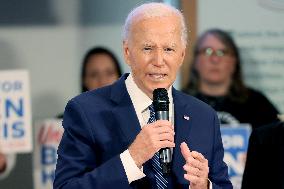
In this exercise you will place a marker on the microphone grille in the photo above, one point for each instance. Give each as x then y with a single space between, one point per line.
160 99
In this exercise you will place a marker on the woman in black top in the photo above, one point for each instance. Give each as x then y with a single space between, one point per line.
216 78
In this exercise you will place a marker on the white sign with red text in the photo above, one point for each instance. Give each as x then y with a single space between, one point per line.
15 112
48 134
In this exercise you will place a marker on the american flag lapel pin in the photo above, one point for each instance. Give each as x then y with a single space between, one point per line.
186 117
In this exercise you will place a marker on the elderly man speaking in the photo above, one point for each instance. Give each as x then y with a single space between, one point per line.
112 140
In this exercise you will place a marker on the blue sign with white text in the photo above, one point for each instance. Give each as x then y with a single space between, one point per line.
235 141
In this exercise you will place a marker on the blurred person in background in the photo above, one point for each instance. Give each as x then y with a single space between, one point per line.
100 68
216 78
265 158
3 163
7 162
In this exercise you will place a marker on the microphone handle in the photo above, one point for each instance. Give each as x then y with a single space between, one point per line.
165 154
162 115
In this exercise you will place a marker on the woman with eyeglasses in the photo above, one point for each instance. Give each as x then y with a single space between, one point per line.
216 78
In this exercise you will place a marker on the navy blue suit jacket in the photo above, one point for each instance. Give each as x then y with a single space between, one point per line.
99 125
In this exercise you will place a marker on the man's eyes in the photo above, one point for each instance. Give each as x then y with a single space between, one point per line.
147 48
169 49
165 49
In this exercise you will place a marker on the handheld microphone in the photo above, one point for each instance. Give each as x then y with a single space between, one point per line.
161 107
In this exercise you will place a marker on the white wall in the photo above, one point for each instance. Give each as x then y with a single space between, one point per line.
51 54
51 41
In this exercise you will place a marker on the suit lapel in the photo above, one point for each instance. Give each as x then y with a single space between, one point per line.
124 112
182 124
182 118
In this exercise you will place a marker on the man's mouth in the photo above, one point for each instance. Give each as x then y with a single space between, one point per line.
156 76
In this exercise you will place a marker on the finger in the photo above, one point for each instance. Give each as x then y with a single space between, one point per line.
202 167
159 127
194 180
166 144
191 178
194 163
166 136
161 123
199 156
161 130
192 170
185 150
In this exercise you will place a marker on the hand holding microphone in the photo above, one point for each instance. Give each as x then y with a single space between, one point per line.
154 137
161 106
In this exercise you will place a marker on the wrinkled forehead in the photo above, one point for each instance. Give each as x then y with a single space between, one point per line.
163 24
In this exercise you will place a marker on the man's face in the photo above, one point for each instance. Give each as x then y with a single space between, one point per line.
154 52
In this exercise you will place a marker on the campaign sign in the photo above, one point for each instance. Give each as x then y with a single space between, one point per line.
48 134
15 112
235 141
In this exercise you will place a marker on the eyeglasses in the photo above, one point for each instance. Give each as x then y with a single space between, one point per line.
210 52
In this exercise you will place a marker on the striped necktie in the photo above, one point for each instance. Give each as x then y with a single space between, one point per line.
161 181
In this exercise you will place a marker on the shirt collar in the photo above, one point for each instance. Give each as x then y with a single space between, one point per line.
139 99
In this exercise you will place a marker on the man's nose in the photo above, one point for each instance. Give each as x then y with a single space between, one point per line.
159 58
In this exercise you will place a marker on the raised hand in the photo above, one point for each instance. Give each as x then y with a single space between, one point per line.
196 168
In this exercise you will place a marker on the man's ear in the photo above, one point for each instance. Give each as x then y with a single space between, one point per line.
126 53
182 56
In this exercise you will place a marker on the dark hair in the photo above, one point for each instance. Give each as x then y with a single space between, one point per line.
238 90
92 52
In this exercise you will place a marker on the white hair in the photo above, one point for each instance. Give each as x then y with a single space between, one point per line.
150 10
